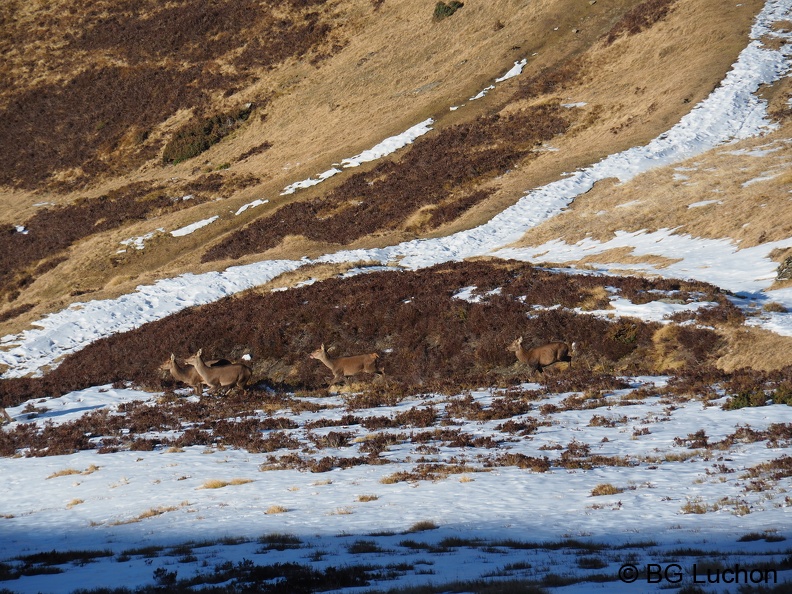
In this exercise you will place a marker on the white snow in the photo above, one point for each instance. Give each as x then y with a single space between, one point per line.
390 145
254 204
386 147
130 500
139 243
312 181
181 232
701 203
515 70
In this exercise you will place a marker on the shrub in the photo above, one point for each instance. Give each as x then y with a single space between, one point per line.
443 10
199 135
745 399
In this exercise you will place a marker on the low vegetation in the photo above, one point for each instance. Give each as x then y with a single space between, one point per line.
441 176
200 134
443 10
427 338
147 62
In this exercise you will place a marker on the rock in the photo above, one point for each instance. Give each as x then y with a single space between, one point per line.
785 269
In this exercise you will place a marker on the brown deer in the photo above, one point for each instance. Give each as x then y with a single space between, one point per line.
7 418
235 375
187 374
542 356
344 367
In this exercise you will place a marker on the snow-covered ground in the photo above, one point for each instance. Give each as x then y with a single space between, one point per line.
672 495
153 510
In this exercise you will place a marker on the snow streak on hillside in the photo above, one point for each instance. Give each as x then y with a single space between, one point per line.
732 111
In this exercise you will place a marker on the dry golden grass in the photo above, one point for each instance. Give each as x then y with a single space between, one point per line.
422 526
71 471
755 348
74 503
276 509
366 498
151 513
219 484
66 472
427 67
605 489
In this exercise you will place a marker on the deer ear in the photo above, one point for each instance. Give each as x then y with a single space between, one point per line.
173 357
198 354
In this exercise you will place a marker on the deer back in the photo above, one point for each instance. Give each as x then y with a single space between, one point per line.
549 353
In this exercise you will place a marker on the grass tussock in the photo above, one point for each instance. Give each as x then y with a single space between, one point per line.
605 489
219 484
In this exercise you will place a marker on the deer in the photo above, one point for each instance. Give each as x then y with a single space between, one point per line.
6 417
235 375
187 374
345 367
542 356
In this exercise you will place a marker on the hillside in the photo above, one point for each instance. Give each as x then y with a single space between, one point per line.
98 187
424 181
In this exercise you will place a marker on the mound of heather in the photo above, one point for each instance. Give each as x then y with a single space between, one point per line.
429 334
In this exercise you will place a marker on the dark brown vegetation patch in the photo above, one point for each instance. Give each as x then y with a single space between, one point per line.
103 111
199 134
427 338
640 18
26 255
439 171
148 60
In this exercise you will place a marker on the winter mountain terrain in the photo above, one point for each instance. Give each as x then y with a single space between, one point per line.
427 182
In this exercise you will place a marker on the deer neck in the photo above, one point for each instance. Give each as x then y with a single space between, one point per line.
200 365
324 358
176 370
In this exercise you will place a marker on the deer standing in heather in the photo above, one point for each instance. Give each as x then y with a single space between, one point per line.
344 367
234 375
187 374
542 356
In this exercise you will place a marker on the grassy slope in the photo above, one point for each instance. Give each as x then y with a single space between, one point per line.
388 65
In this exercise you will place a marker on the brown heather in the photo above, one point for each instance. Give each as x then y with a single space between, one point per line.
433 340
148 61
441 171
429 340
640 18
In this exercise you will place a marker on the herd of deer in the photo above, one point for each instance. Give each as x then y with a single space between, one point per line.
222 373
